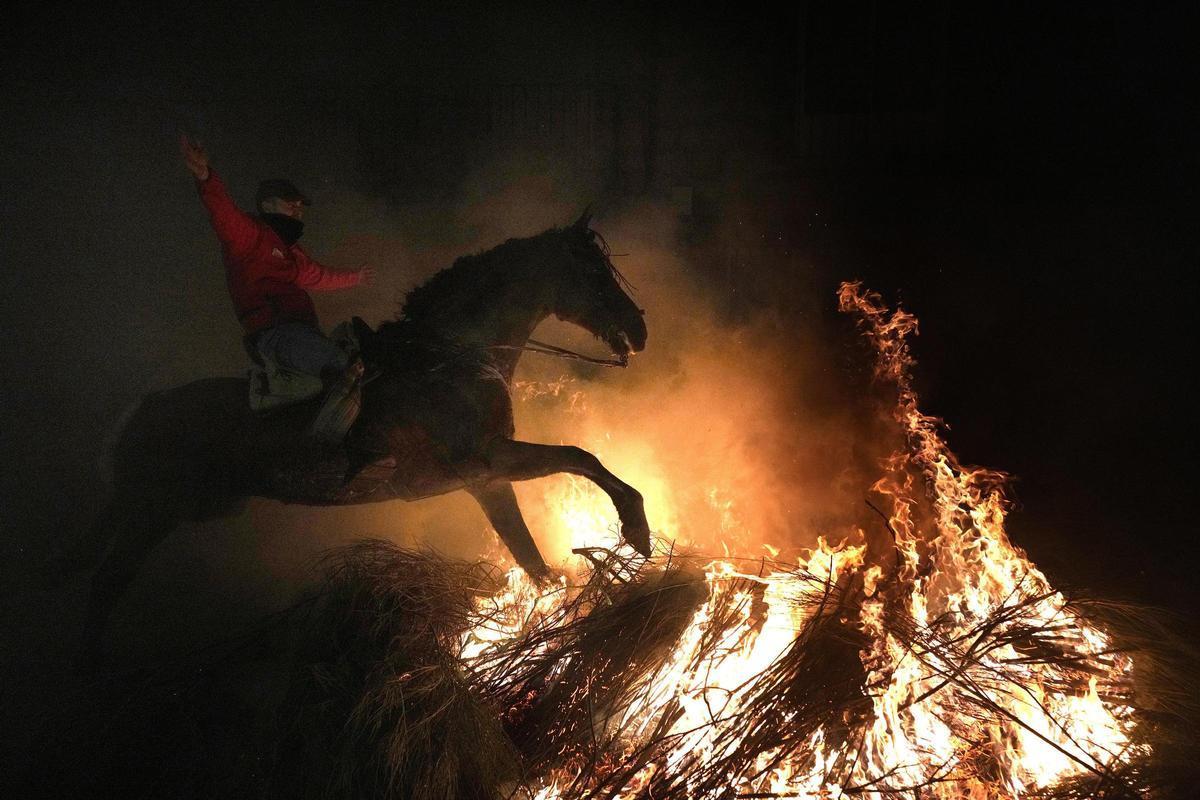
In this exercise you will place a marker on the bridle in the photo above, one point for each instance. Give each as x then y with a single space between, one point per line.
547 349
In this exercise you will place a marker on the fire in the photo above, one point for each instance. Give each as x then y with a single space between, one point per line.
980 680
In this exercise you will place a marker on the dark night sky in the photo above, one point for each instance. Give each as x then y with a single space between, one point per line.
1043 232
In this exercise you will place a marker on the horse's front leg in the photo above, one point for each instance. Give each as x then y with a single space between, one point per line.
520 461
499 503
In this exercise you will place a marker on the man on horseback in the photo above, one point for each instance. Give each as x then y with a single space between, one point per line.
269 277
192 452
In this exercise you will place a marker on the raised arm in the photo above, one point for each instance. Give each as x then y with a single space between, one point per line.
234 227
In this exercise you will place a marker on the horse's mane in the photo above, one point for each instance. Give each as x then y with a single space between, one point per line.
480 274
479 277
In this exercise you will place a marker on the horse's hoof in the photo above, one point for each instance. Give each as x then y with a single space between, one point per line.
635 530
637 536
542 576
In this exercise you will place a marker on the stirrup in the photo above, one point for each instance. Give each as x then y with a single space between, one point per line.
340 408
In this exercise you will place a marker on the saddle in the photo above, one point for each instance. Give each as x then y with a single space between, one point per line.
273 386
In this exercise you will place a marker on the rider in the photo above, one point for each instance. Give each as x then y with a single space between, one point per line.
269 276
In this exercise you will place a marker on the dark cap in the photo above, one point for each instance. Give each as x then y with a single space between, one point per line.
281 188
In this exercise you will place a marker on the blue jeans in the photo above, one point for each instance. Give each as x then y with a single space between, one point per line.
302 347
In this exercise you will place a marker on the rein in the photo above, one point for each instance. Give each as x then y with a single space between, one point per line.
534 346
531 346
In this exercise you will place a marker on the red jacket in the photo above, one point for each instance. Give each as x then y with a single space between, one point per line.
266 278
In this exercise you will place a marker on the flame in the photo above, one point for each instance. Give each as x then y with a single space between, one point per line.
577 513
953 571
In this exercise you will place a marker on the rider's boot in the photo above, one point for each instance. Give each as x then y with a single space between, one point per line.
343 400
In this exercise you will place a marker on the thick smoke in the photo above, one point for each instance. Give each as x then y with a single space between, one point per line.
740 433
735 432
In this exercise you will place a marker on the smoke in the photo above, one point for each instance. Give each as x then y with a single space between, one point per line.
739 429
739 434
736 428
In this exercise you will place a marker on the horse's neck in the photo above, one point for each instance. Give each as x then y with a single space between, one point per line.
505 326
509 336
497 316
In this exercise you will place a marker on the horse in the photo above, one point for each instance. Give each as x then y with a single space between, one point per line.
436 417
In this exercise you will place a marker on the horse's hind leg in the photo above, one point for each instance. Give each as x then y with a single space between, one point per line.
499 503
135 528
519 461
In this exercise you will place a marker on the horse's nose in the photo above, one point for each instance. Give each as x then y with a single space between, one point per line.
637 332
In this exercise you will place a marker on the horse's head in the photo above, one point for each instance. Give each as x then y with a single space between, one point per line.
591 293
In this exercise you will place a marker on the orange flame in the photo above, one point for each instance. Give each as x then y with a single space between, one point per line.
954 567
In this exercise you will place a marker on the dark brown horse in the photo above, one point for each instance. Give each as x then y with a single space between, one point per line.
437 417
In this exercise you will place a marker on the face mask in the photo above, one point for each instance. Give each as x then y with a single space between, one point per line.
289 228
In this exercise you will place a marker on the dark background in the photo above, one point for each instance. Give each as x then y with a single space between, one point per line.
1022 176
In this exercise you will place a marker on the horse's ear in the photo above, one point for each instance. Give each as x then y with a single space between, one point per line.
584 220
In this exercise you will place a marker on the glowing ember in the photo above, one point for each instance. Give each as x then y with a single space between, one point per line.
975 678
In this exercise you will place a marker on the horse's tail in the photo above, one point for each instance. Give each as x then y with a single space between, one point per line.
89 544
106 458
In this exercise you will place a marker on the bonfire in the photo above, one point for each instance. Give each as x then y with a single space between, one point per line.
944 665
947 667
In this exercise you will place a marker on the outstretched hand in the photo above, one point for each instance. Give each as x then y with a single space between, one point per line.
366 275
194 157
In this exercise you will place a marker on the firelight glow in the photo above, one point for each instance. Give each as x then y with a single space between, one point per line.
996 721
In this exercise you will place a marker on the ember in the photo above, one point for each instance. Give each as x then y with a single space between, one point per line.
949 668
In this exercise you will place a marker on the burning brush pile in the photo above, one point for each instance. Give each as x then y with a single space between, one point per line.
940 665
946 667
